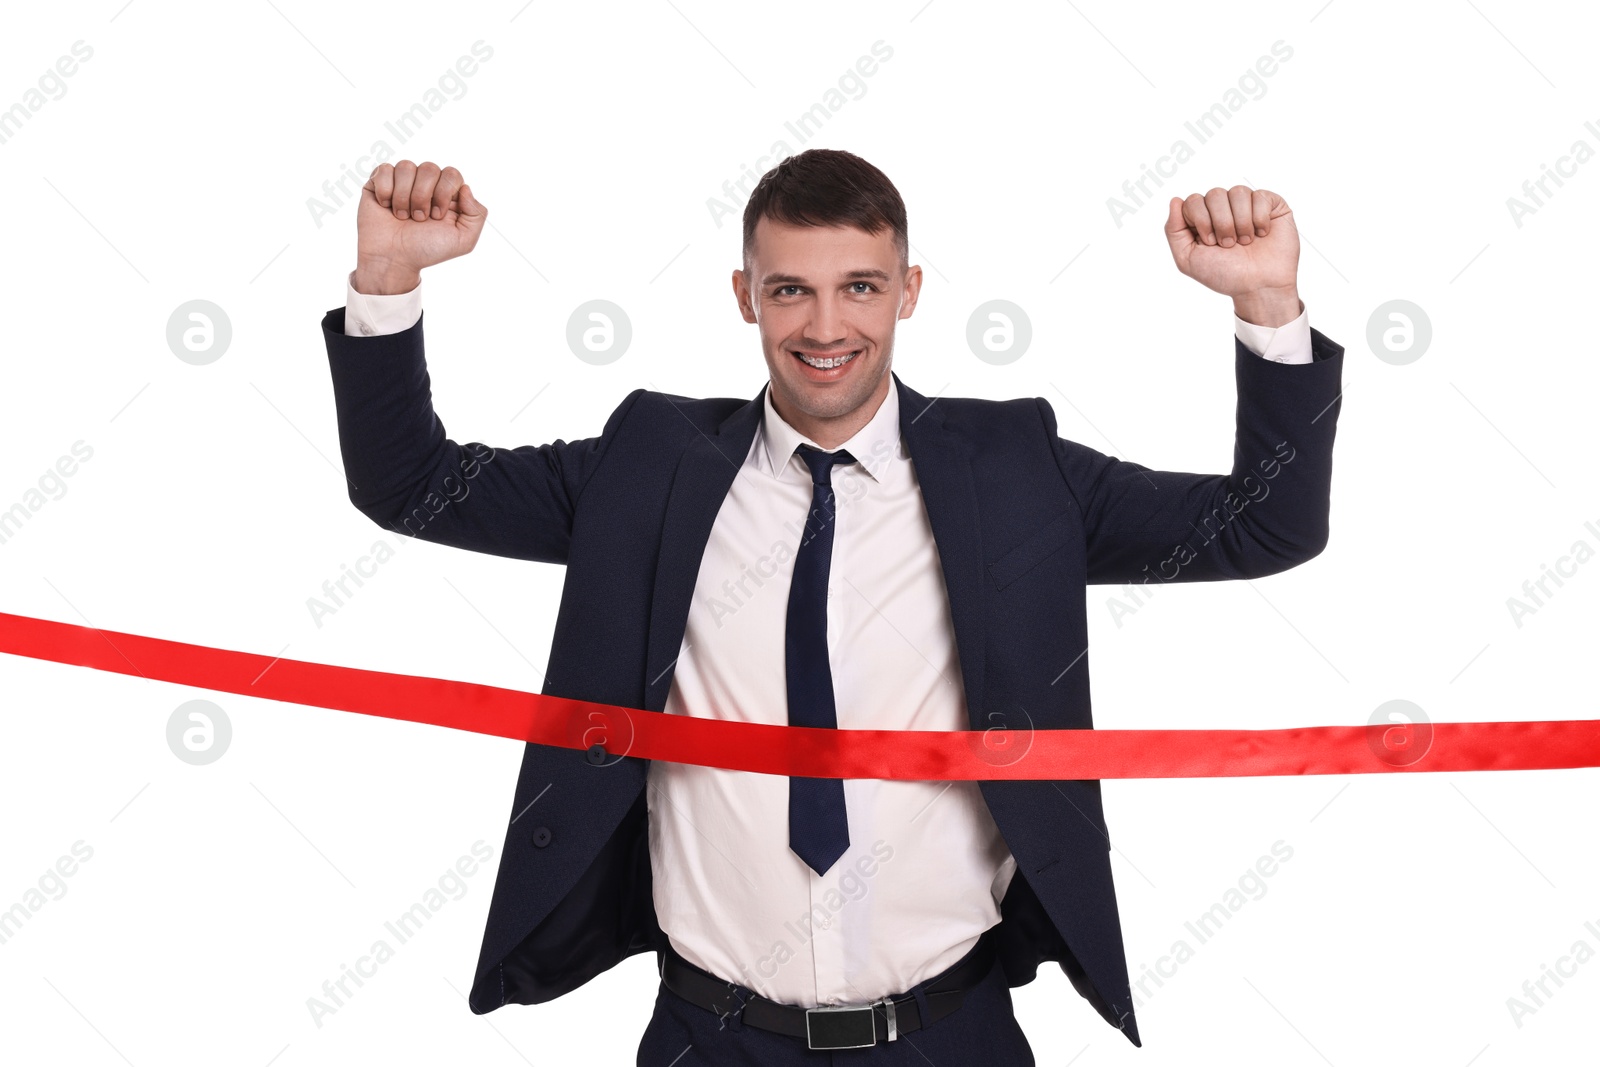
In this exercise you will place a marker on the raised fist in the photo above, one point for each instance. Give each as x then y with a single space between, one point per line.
413 216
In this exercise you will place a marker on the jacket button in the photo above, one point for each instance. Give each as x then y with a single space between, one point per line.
541 837
596 754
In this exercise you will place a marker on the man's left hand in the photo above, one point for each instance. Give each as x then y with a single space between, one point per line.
1240 242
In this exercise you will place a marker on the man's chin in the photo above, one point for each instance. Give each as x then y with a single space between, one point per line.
828 400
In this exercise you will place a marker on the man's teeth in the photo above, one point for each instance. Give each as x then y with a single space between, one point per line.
827 364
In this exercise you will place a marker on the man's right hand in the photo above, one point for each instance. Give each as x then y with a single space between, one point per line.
412 216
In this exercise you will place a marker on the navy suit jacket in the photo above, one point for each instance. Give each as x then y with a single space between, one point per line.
1024 520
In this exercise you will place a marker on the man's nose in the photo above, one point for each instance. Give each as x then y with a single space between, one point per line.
826 326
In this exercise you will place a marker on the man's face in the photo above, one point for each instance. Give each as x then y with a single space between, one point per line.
824 292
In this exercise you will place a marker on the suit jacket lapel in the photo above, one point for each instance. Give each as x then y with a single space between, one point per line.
705 473
944 474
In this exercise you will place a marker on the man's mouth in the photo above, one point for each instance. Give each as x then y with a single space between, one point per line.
825 362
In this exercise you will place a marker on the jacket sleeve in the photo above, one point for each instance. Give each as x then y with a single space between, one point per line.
406 475
1268 514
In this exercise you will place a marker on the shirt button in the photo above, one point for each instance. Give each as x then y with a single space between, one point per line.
366 329
827 924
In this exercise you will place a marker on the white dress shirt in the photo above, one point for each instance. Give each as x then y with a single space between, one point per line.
926 868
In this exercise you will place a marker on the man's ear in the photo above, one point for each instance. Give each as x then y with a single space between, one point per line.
743 296
910 290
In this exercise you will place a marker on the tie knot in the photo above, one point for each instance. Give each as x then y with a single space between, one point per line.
821 463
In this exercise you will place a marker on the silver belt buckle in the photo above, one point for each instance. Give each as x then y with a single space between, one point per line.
845 1026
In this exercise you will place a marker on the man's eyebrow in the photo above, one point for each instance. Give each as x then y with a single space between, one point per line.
852 275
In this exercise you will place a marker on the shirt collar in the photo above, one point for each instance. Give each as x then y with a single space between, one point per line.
876 446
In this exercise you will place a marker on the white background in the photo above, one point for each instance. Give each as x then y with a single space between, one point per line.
179 164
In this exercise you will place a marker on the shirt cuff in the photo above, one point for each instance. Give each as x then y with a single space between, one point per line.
1289 343
371 314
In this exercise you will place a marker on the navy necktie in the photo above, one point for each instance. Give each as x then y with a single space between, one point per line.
818 829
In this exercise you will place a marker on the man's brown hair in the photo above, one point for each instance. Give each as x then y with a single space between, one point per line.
827 187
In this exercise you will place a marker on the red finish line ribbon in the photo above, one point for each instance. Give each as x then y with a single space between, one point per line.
926 755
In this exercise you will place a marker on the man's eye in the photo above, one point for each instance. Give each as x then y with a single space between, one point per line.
869 285
781 289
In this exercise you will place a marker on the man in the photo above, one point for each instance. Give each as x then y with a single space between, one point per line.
839 551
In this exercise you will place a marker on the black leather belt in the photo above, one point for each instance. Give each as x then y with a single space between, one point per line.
851 1026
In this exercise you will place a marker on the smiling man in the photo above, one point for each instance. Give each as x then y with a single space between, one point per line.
838 551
